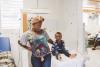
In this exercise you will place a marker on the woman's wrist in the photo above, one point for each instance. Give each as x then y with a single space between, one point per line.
30 49
26 47
50 41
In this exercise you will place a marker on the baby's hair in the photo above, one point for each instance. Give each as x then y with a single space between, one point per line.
59 33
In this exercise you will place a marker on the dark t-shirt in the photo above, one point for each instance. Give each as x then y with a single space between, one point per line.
58 46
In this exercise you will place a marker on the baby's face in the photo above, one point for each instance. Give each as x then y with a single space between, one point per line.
58 37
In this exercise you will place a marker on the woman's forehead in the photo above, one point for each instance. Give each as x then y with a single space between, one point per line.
37 23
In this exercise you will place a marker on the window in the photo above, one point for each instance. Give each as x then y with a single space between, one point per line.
10 13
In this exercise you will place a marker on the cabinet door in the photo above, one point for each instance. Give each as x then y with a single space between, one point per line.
49 24
30 4
42 4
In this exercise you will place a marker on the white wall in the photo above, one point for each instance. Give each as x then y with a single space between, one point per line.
73 29
91 24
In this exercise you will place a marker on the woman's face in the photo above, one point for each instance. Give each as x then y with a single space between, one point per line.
37 26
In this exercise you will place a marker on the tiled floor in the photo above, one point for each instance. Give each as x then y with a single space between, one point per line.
94 58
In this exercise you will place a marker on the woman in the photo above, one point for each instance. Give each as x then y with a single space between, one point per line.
36 40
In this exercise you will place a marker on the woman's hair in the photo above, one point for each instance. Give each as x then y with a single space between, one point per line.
36 19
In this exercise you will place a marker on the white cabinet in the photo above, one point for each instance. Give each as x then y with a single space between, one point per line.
43 4
40 4
30 4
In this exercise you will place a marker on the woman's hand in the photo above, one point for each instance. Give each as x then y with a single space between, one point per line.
30 49
50 41
24 46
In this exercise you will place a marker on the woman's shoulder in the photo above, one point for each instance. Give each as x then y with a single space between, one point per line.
43 31
27 32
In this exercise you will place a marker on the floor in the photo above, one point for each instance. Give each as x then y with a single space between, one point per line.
93 58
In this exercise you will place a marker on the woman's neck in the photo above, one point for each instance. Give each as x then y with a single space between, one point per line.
37 31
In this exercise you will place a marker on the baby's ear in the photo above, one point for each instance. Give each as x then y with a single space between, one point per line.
62 41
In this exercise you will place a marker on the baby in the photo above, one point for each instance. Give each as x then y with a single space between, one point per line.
59 47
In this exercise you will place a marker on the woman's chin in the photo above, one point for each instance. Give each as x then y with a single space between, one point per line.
38 29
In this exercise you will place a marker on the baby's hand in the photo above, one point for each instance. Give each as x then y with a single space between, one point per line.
59 57
73 56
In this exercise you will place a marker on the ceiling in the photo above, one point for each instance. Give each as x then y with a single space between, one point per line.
92 6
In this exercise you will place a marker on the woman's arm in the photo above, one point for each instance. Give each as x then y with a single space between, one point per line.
23 41
24 46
